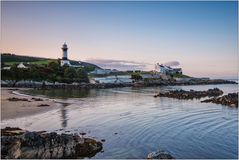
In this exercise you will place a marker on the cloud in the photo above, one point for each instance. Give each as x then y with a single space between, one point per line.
119 64
172 63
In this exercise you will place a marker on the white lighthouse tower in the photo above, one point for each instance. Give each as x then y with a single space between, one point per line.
64 59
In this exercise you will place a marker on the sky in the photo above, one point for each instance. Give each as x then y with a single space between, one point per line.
201 36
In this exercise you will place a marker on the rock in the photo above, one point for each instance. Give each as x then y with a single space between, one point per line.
17 99
230 100
8 131
181 94
83 133
38 145
159 155
37 99
43 105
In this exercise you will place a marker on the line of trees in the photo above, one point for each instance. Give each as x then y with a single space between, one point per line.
52 72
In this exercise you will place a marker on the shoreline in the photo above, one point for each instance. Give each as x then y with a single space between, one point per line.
14 105
44 85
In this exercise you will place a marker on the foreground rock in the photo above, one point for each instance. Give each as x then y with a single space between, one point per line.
17 143
181 94
229 100
159 155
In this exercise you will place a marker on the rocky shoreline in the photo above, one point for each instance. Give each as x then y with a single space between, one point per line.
47 85
182 94
17 143
230 100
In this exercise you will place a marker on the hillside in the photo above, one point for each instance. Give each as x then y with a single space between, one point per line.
10 59
7 57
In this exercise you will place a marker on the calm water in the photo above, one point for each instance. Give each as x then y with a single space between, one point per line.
185 128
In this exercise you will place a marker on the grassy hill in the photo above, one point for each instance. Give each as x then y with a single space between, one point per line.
10 59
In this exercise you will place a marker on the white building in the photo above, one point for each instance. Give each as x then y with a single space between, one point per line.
167 69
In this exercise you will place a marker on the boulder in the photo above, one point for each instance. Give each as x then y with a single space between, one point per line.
159 155
230 100
17 143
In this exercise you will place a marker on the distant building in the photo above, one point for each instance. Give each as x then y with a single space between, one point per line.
167 69
65 61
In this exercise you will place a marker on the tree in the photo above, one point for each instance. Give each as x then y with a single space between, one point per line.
16 74
89 68
136 76
82 75
53 69
53 65
70 72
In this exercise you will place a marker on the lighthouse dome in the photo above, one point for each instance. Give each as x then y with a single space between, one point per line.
64 45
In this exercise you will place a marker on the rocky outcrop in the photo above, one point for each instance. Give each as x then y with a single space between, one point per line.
159 155
182 94
17 143
229 100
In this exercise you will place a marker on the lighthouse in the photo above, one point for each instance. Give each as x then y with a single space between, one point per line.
64 50
64 60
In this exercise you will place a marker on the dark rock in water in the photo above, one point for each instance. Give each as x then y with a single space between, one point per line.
43 105
83 133
229 100
37 99
17 99
38 145
181 94
159 155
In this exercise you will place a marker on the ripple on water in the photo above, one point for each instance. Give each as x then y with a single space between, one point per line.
187 129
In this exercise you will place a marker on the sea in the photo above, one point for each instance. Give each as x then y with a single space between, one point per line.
133 123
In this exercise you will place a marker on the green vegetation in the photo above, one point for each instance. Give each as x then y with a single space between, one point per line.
136 76
7 57
41 62
51 72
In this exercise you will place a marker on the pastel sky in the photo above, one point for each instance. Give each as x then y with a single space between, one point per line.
201 36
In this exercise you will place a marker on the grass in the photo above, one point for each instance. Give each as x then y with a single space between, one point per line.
42 62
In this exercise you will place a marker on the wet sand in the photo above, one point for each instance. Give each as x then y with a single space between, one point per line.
16 109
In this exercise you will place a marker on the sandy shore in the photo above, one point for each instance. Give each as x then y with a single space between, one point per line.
16 109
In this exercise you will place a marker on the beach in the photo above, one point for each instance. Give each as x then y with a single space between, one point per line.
20 108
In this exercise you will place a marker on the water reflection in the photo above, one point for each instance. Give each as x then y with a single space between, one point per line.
64 117
62 93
